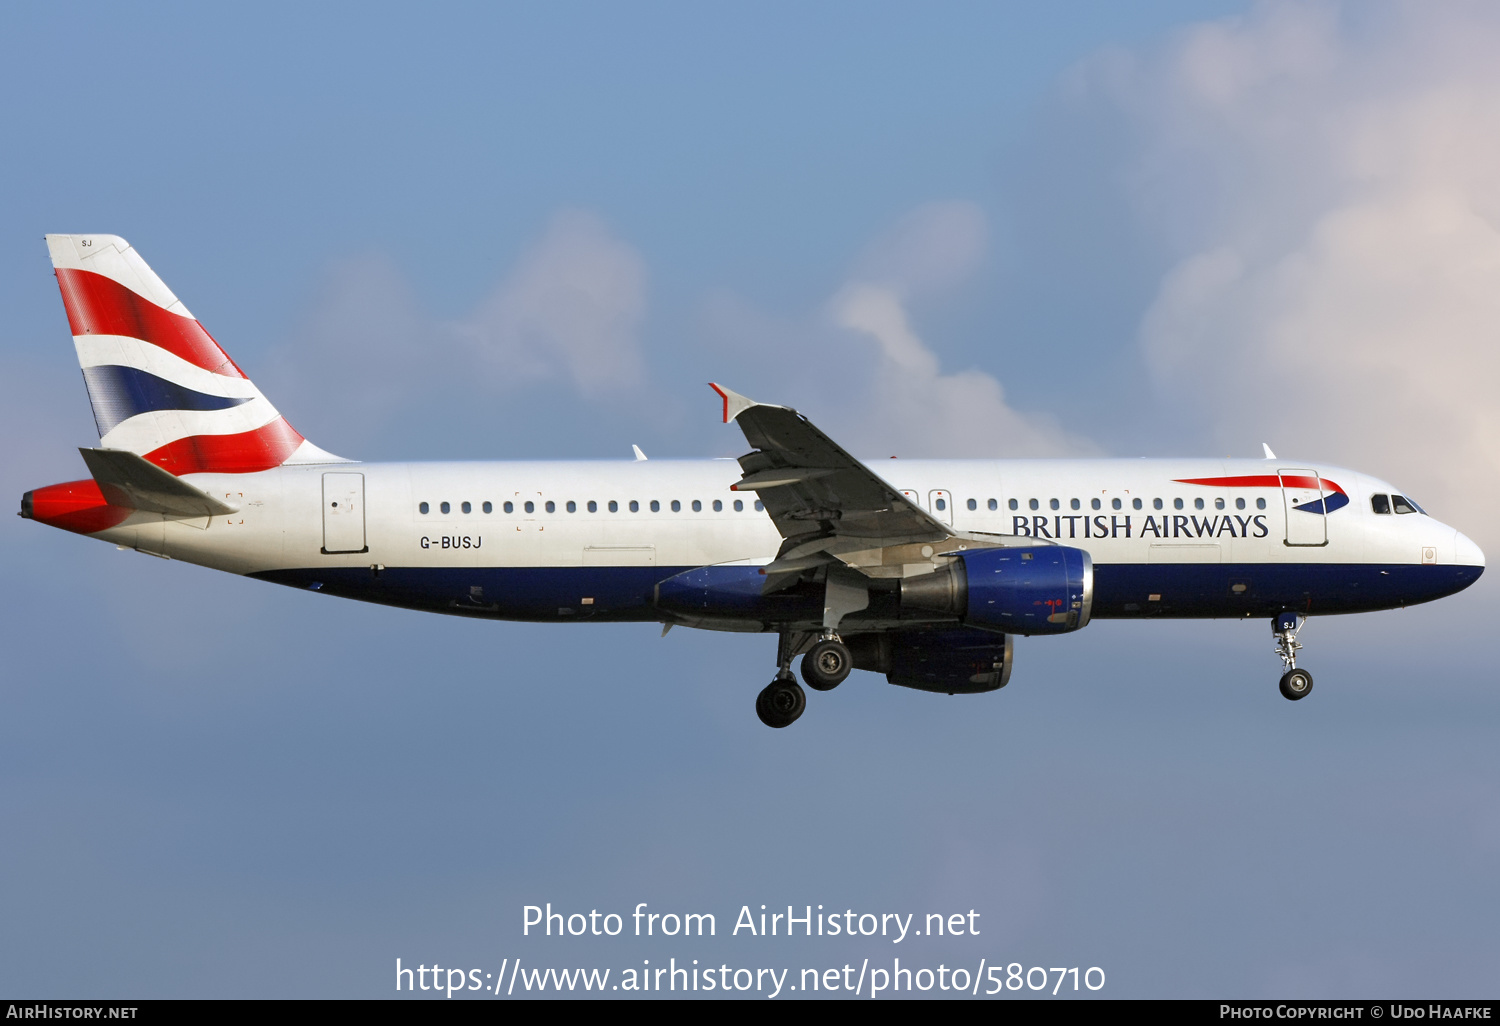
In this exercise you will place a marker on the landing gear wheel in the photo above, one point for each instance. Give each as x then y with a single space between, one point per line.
780 703
1295 684
826 665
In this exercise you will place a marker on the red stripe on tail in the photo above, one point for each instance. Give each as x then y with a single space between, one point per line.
98 305
247 453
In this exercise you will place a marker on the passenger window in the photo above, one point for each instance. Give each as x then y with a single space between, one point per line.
1054 504
1239 503
1013 504
593 506
1402 505
1096 504
697 506
1034 504
488 507
446 508
614 507
572 507
551 506
1260 503
993 505
973 504
760 507
739 505
509 507
1197 503
1136 503
1156 504
1218 504
635 507
1114 504
466 508
530 506
1379 503
942 504
423 508
676 506
1176 503
655 506
1074 504
718 505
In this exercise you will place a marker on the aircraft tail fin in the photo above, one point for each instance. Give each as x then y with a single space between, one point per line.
159 384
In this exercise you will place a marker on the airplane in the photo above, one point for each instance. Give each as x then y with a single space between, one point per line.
922 570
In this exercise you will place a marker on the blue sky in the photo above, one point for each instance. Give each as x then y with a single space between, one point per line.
1147 229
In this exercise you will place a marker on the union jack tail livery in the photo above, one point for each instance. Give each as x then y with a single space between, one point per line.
160 386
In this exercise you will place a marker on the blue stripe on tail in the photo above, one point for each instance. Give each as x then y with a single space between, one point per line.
119 393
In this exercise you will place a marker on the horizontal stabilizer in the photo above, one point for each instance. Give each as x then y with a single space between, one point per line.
130 482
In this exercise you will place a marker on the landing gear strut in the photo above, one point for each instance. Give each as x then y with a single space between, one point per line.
1295 683
783 700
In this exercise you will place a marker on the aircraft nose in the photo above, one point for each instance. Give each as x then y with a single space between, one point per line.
1465 552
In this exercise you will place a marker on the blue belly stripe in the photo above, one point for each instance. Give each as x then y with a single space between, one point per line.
1121 590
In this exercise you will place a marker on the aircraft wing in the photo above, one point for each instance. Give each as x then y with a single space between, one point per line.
825 503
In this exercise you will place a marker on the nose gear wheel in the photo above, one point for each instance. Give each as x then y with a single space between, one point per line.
1295 683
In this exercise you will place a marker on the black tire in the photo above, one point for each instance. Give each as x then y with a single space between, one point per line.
780 703
1296 684
827 665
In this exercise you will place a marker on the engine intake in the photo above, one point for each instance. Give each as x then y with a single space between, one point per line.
1043 589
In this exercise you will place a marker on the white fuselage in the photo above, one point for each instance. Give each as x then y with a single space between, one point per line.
656 517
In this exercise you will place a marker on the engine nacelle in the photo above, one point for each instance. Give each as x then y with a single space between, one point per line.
954 662
1042 589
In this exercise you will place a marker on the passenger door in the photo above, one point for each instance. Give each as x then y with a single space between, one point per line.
1304 488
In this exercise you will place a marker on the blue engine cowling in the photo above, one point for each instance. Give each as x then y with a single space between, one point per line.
1042 589
953 662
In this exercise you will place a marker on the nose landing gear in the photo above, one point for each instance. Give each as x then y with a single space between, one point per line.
1295 684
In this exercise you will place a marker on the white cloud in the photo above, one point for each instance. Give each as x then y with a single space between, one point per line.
931 249
571 308
1329 177
912 406
865 373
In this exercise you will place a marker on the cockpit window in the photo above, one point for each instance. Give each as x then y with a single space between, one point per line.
1404 505
1380 503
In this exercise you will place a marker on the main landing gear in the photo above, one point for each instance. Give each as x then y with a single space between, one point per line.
827 664
824 667
1295 683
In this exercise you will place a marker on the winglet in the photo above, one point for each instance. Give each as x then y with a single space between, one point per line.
734 403
1269 454
640 457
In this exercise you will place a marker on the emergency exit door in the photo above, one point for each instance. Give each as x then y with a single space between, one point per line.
344 513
